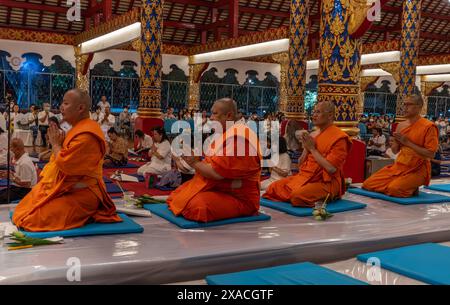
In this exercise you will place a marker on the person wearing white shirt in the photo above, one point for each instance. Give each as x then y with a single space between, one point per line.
393 146
95 116
145 142
283 168
2 121
3 147
14 117
107 120
377 144
24 176
160 154
43 117
103 104
33 122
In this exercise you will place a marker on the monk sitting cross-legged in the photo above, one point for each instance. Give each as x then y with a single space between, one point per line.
418 141
71 191
226 183
321 164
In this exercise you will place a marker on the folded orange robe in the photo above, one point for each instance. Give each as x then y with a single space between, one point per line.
57 202
205 200
313 183
410 170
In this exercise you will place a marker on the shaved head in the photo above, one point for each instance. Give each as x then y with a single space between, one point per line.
328 106
323 114
227 105
416 99
75 106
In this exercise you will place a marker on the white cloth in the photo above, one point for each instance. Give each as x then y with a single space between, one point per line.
95 116
103 106
158 166
3 148
41 115
24 169
31 118
391 154
284 163
107 125
2 122
378 140
146 143
27 137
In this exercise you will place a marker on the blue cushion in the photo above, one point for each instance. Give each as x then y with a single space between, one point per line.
429 263
162 210
294 274
113 188
128 165
126 226
333 207
3 182
107 180
421 199
439 187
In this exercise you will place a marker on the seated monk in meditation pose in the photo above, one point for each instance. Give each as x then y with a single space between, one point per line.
418 140
226 184
71 191
321 163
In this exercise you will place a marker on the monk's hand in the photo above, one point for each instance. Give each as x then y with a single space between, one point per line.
55 136
308 142
402 139
190 160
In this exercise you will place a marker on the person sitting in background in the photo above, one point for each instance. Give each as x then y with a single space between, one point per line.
116 150
160 155
3 147
107 120
436 163
125 122
24 176
15 116
22 120
283 168
103 104
293 144
33 122
169 114
145 142
377 143
180 115
95 116
240 118
43 118
2 120
393 150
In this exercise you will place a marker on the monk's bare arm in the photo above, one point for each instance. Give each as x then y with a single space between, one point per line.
303 157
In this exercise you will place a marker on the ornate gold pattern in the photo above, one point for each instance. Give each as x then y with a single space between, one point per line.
36 36
82 80
392 68
366 81
283 60
195 72
358 13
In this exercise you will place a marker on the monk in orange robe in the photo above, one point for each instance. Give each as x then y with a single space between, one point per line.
418 140
71 191
225 184
321 164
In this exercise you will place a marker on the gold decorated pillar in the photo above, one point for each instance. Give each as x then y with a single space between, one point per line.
298 49
363 84
426 89
409 53
151 59
82 69
195 73
340 61
283 60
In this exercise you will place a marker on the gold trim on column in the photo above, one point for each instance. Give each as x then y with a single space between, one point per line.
81 80
283 60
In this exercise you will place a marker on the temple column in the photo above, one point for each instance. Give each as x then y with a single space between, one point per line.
426 88
283 60
340 64
82 69
151 59
298 49
409 48
195 73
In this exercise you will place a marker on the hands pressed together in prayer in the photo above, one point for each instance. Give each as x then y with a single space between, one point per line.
307 141
402 139
55 137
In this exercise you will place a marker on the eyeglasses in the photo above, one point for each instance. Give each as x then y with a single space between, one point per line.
320 112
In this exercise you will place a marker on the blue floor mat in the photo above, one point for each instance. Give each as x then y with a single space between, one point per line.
429 263
423 198
334 207
439 187
126 226
162 210
294 274
164 188
113 188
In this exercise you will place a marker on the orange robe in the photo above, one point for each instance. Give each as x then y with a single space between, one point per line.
410 171
313 183
205 200
57 202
